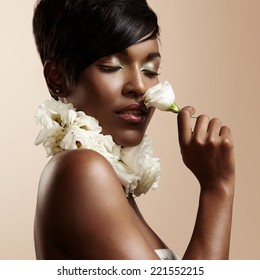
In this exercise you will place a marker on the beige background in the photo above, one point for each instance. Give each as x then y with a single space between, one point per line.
211 56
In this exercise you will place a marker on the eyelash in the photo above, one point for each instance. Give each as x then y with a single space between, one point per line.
150 74
111 69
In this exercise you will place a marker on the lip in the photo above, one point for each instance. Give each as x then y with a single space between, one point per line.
133 113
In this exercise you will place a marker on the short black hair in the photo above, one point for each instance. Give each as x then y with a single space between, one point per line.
76 33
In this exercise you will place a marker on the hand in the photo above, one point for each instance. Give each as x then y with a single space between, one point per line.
207 150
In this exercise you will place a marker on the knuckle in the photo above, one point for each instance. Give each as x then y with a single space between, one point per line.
212 141
184 145
197 141
227 143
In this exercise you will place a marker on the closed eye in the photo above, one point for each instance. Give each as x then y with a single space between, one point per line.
150 74
108 68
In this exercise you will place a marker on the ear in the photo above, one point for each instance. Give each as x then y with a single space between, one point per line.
55 79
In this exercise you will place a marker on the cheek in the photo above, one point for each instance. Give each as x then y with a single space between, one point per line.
111 82
107 88
97 89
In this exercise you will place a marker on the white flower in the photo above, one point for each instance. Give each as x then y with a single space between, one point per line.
87 123
74 138
162 97
127 177
55 113
140 162
51 138
150 178
64 128
104 145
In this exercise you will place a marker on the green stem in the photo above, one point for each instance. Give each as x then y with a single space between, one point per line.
177 110
174 108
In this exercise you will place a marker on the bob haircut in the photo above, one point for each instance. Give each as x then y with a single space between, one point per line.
76 33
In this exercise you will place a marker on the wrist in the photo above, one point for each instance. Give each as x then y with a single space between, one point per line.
223 189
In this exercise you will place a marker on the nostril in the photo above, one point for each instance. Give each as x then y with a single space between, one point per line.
134 93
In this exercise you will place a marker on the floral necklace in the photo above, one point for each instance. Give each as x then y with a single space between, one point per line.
64 128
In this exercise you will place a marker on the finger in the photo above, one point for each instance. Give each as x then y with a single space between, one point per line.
226 136
227 142
184 124
201 126
214 127
225 132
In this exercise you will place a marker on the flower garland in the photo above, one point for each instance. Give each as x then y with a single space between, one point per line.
64 128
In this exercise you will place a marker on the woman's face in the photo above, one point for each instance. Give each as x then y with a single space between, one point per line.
111 90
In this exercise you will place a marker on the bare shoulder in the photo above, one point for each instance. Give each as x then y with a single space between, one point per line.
82 211
73 185
80 163
77 176
82 166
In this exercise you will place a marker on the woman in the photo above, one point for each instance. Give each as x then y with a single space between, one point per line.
102 56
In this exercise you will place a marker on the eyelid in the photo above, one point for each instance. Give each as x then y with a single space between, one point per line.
150 66
112 61
151 69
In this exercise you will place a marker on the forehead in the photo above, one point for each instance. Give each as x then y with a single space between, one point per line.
144 49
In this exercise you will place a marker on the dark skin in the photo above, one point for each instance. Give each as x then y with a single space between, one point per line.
84 216
208 152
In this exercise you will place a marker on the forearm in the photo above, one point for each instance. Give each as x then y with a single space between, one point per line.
212 230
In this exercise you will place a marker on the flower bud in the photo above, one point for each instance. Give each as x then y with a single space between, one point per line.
162 97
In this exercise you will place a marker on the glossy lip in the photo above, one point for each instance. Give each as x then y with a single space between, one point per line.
134 113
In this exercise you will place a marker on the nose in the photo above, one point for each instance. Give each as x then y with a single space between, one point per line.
135 85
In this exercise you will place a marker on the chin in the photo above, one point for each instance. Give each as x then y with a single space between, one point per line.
128 139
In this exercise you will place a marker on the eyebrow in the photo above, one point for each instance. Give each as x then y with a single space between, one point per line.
152 56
